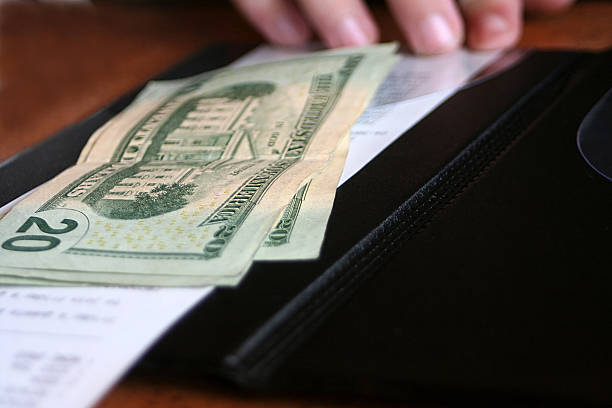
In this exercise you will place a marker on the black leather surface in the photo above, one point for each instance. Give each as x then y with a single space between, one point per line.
505 291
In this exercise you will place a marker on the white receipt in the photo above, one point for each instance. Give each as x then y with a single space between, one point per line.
67 346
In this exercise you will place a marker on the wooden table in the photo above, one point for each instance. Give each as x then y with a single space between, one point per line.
60 62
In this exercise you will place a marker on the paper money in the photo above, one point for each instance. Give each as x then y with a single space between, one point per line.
183 186
298 234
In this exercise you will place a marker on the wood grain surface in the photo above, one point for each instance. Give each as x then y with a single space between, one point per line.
60 62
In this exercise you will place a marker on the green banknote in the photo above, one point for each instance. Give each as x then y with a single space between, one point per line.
299 232
184 186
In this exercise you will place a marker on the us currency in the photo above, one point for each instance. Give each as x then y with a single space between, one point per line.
182 188
300 230
297 234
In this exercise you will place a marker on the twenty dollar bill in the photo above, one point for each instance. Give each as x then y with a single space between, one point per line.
183 186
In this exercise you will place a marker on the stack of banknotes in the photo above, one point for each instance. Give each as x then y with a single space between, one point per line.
199 177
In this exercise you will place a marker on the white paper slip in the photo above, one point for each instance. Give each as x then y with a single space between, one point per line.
379 126
65 347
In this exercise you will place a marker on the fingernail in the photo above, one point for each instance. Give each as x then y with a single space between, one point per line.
350 33
492 31
434 35
493 23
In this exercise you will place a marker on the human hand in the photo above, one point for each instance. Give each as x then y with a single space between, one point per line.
429 26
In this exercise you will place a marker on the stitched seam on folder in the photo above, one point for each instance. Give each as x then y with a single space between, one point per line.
436 184
256 358
388 242
388 234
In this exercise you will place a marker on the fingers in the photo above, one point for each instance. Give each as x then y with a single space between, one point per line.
492 24
341 23
278 20
430 26
547 6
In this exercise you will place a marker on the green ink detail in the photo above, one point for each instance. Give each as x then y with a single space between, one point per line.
59 197
162 199
235 210
281 233
44 227
240 91
131 135
136 255
52 242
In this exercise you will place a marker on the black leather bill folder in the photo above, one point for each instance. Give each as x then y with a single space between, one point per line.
471 259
